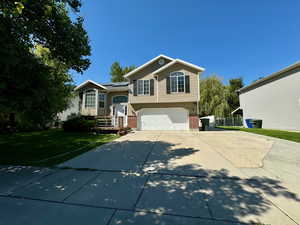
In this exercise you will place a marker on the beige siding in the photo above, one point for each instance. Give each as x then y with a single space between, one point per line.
190 106
160 91
178 97
145 74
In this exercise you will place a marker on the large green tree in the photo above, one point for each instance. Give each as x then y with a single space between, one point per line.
117 72
33 82
233 97
213 97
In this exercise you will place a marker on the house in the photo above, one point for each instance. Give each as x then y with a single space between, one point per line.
162 94
275 99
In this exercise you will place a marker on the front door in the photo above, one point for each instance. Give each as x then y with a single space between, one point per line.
119 110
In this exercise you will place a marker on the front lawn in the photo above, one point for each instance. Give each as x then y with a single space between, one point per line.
287 135
47 148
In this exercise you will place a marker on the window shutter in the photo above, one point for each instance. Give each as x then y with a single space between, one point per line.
187 84
134 88
168 85
152 87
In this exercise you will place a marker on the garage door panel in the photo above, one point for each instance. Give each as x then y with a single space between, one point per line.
163 119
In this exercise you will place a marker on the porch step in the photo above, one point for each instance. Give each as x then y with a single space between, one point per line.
104 122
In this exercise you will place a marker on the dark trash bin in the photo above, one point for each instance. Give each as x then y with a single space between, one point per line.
249 123
205 123
257 123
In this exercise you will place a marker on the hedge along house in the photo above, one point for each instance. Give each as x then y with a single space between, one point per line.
275 99
162 94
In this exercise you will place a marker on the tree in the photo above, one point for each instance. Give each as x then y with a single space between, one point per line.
34 86
213 97
117 72
233 98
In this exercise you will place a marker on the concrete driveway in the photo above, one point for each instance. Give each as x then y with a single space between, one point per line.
165 178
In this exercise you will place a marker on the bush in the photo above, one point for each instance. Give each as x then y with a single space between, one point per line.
79 124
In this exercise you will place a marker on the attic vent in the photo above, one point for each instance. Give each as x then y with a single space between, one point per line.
161 62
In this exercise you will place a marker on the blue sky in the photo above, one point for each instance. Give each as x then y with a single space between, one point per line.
232 38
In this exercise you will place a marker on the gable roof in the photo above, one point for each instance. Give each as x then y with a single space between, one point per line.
181 62
269 78
146 64
89 81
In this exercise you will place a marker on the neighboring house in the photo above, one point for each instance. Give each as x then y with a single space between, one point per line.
162 94
275 99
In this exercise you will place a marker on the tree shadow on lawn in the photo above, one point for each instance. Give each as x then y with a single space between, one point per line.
211 194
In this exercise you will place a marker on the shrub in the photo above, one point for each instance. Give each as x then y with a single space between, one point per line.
79 124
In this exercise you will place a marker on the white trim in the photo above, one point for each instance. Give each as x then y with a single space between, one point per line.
146 64
101 93
236 110
171 75
201 69
112 99
84 96
137 81
89 81
97 102
269 77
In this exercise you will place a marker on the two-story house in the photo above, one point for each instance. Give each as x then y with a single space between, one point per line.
162 94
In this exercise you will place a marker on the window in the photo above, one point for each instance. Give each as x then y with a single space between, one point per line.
146 87
120 99
101 100
90 99
143 87
177 82
140 87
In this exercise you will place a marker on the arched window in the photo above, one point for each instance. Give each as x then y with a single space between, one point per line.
120 99
90 99
177 82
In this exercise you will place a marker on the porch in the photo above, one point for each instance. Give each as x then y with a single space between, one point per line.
105 103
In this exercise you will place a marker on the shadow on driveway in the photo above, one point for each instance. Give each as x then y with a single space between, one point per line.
214 195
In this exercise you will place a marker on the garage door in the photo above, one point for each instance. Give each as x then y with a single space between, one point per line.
163 119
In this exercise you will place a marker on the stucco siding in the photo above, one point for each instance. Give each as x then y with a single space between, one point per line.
277 102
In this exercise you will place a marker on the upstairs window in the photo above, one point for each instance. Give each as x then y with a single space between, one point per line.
143 87
177 82
90 99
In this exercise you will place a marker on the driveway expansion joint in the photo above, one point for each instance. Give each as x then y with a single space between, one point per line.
80 188
121 209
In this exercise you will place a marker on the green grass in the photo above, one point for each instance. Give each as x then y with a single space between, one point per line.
287 135
35 148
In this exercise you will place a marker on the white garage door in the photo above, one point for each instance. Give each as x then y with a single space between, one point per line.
163 119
